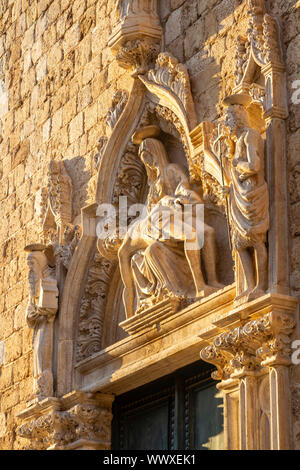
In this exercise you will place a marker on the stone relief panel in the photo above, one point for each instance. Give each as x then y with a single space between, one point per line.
93 306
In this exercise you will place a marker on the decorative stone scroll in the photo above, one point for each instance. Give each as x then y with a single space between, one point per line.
77 421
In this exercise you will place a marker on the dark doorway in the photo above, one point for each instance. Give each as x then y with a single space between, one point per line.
181 411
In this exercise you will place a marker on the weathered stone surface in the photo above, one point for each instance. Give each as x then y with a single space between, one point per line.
58 77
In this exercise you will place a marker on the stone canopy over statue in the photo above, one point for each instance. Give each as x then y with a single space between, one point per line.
156 260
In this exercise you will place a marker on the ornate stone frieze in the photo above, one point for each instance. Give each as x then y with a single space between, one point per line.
92 307
77 421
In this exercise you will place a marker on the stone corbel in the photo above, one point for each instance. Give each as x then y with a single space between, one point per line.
136 35
77 421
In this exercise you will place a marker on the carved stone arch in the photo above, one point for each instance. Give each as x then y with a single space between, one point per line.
166 89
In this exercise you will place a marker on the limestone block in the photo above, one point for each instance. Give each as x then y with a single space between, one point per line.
43 5
57 120
40 25
21 153
53 11
189 13
10 398
6 376
82 53
2 425
69 110
78 9
28 39
173 27
76 128
90 116
54 55
72 38
13 346
176 4
88 21
47 130
21 368
49 37
293 55
194 38
41 68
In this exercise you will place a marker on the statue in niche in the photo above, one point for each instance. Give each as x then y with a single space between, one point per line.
40 315
247 195
154 268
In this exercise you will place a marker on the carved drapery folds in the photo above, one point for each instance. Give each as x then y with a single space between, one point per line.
136 35
77 421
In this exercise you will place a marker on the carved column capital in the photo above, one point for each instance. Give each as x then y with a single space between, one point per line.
261 342
77 421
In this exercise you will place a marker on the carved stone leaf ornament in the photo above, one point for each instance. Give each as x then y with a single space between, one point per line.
92 307
119 101
261 42
169 82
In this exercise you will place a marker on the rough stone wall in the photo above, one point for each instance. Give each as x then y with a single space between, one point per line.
57 79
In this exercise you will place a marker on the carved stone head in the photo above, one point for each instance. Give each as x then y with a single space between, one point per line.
154 156
37 263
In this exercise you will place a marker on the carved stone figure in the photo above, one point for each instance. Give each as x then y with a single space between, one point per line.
41 310
155 260
248 196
